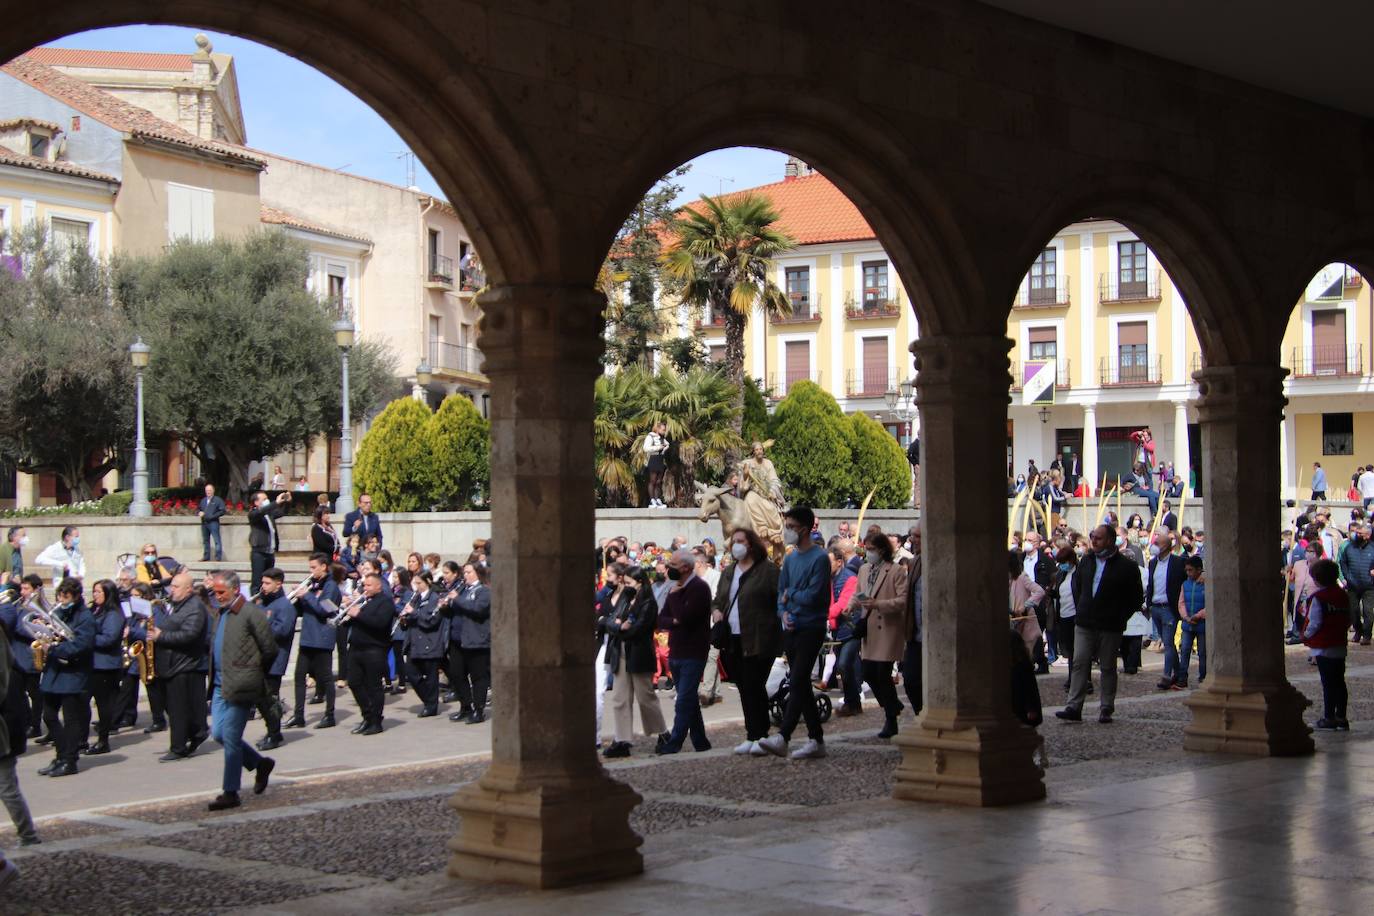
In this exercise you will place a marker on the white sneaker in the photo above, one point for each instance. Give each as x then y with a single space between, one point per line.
746 747
8 874
774 744
809 750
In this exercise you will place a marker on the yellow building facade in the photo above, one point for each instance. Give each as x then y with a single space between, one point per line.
1096 317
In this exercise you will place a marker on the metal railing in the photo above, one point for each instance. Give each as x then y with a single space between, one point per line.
1328 360
440 269
1061 373
779 385
869 383
1199 362
449 357
1112 288
471 279
1112 373
878 306
709 318
1043 297
804 308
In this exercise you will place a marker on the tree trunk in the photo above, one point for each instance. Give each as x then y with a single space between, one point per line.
237 469
735 323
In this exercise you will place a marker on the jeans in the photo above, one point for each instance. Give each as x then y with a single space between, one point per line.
1103 644
226 726
1151 497
1166 619
14 799
911 676
687 719
210 531
851 675
1193 633
802 648
1334 692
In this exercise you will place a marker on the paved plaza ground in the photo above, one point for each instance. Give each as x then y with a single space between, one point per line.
1133 824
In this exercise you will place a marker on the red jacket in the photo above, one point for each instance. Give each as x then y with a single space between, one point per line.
1335 622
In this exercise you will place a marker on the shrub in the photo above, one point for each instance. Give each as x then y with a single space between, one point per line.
879 464
813 447
393 458
459 445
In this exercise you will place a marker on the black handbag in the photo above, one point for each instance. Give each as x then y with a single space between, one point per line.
861 625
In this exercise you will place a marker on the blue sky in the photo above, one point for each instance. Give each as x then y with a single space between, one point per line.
294 110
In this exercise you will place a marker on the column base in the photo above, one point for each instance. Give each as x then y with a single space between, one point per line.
984 764
1229 719
546 835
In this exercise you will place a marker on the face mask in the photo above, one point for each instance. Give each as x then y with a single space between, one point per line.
1154 550
1079 551
24 541
385 566
1028 549
634 555
674 573
1120 543
149 557
76 542
790 537
739 551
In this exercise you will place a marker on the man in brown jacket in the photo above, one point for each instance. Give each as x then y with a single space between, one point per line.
242 651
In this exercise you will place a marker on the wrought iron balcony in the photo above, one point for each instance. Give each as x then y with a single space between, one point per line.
1114 288
1114 374
869 383
878 303
1327 361
441 269
1061 373
1044 297
804 309
787 380
447 357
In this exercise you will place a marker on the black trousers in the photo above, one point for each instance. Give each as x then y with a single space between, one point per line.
1335 694
879 677
270 707
469 672
126 703
31 681
749 674
803 647
260 561
911 676
341 646
423 674
1130 653
104 689
1064 636
62 714
316 663
185 709
157 700
366 668
398 661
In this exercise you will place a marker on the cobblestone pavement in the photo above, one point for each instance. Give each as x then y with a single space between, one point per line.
374 842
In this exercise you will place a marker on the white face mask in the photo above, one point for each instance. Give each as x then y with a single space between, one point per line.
739 551
1154 550
1120 543
24 541
790 537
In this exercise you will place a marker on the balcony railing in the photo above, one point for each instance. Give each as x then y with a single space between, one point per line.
804 309
1199 362
869 383
1114 374
1044 297
1113 288
710 318
1327 361
440 269
471 279
779 385
1061 374
447 357
876 304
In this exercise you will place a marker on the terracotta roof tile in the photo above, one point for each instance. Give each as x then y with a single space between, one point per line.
811 209
278 217
106 108
9 157
110 60
25 122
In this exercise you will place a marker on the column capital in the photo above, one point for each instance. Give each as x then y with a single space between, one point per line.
524 325
1245 390
943 364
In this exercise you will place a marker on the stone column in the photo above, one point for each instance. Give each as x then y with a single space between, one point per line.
26 490
1090 447
1248 706
1181 457
545 813
967 748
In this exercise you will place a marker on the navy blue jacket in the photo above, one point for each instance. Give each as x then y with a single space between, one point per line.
426 629
316 633
1173 581
68 669
109 639
401 597
472 617
364 526
19 643
281 615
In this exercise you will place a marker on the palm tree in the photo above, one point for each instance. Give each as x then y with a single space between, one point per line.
620 401
699 409
720 259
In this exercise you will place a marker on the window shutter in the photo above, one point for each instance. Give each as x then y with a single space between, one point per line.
875 365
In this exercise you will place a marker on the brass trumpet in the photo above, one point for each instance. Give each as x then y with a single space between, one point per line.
341 615
46 628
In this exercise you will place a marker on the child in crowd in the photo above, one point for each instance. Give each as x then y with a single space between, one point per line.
1192 612
1324 632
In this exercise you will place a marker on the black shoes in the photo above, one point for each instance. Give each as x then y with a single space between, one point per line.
426 713
99 747
617 749
374 729
64 769
294 722
196 742
449 697
316 700
271 743
1069 715
357 729
47 770
1329 724
171 756
890 728
46 739
265 767
1104 718
461 715
475 717
155 727
327 721
224 801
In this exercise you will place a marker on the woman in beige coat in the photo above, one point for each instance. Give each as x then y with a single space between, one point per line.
1023 597
881 597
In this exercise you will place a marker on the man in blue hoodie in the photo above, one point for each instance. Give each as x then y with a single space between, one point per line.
1357 563
803 605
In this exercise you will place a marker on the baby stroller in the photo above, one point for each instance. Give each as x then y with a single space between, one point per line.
779 682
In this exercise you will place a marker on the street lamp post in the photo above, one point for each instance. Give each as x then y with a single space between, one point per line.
139 507
902 406
423 376
343 338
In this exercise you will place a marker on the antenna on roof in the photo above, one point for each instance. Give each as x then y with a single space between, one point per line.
720 182
409 158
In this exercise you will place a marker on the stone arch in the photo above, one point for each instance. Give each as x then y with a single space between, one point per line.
409 72
914 220
1195 250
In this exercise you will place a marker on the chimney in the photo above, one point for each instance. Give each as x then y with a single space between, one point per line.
795 169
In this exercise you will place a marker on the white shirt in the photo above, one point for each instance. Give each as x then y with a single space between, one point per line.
711 577
63 561
733 616
1366 485
1028 563
1066 605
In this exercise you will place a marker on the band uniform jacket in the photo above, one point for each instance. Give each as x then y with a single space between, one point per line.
426 629
281 616
68 669
316 633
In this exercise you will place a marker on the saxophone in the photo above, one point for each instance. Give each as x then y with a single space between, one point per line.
142 650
